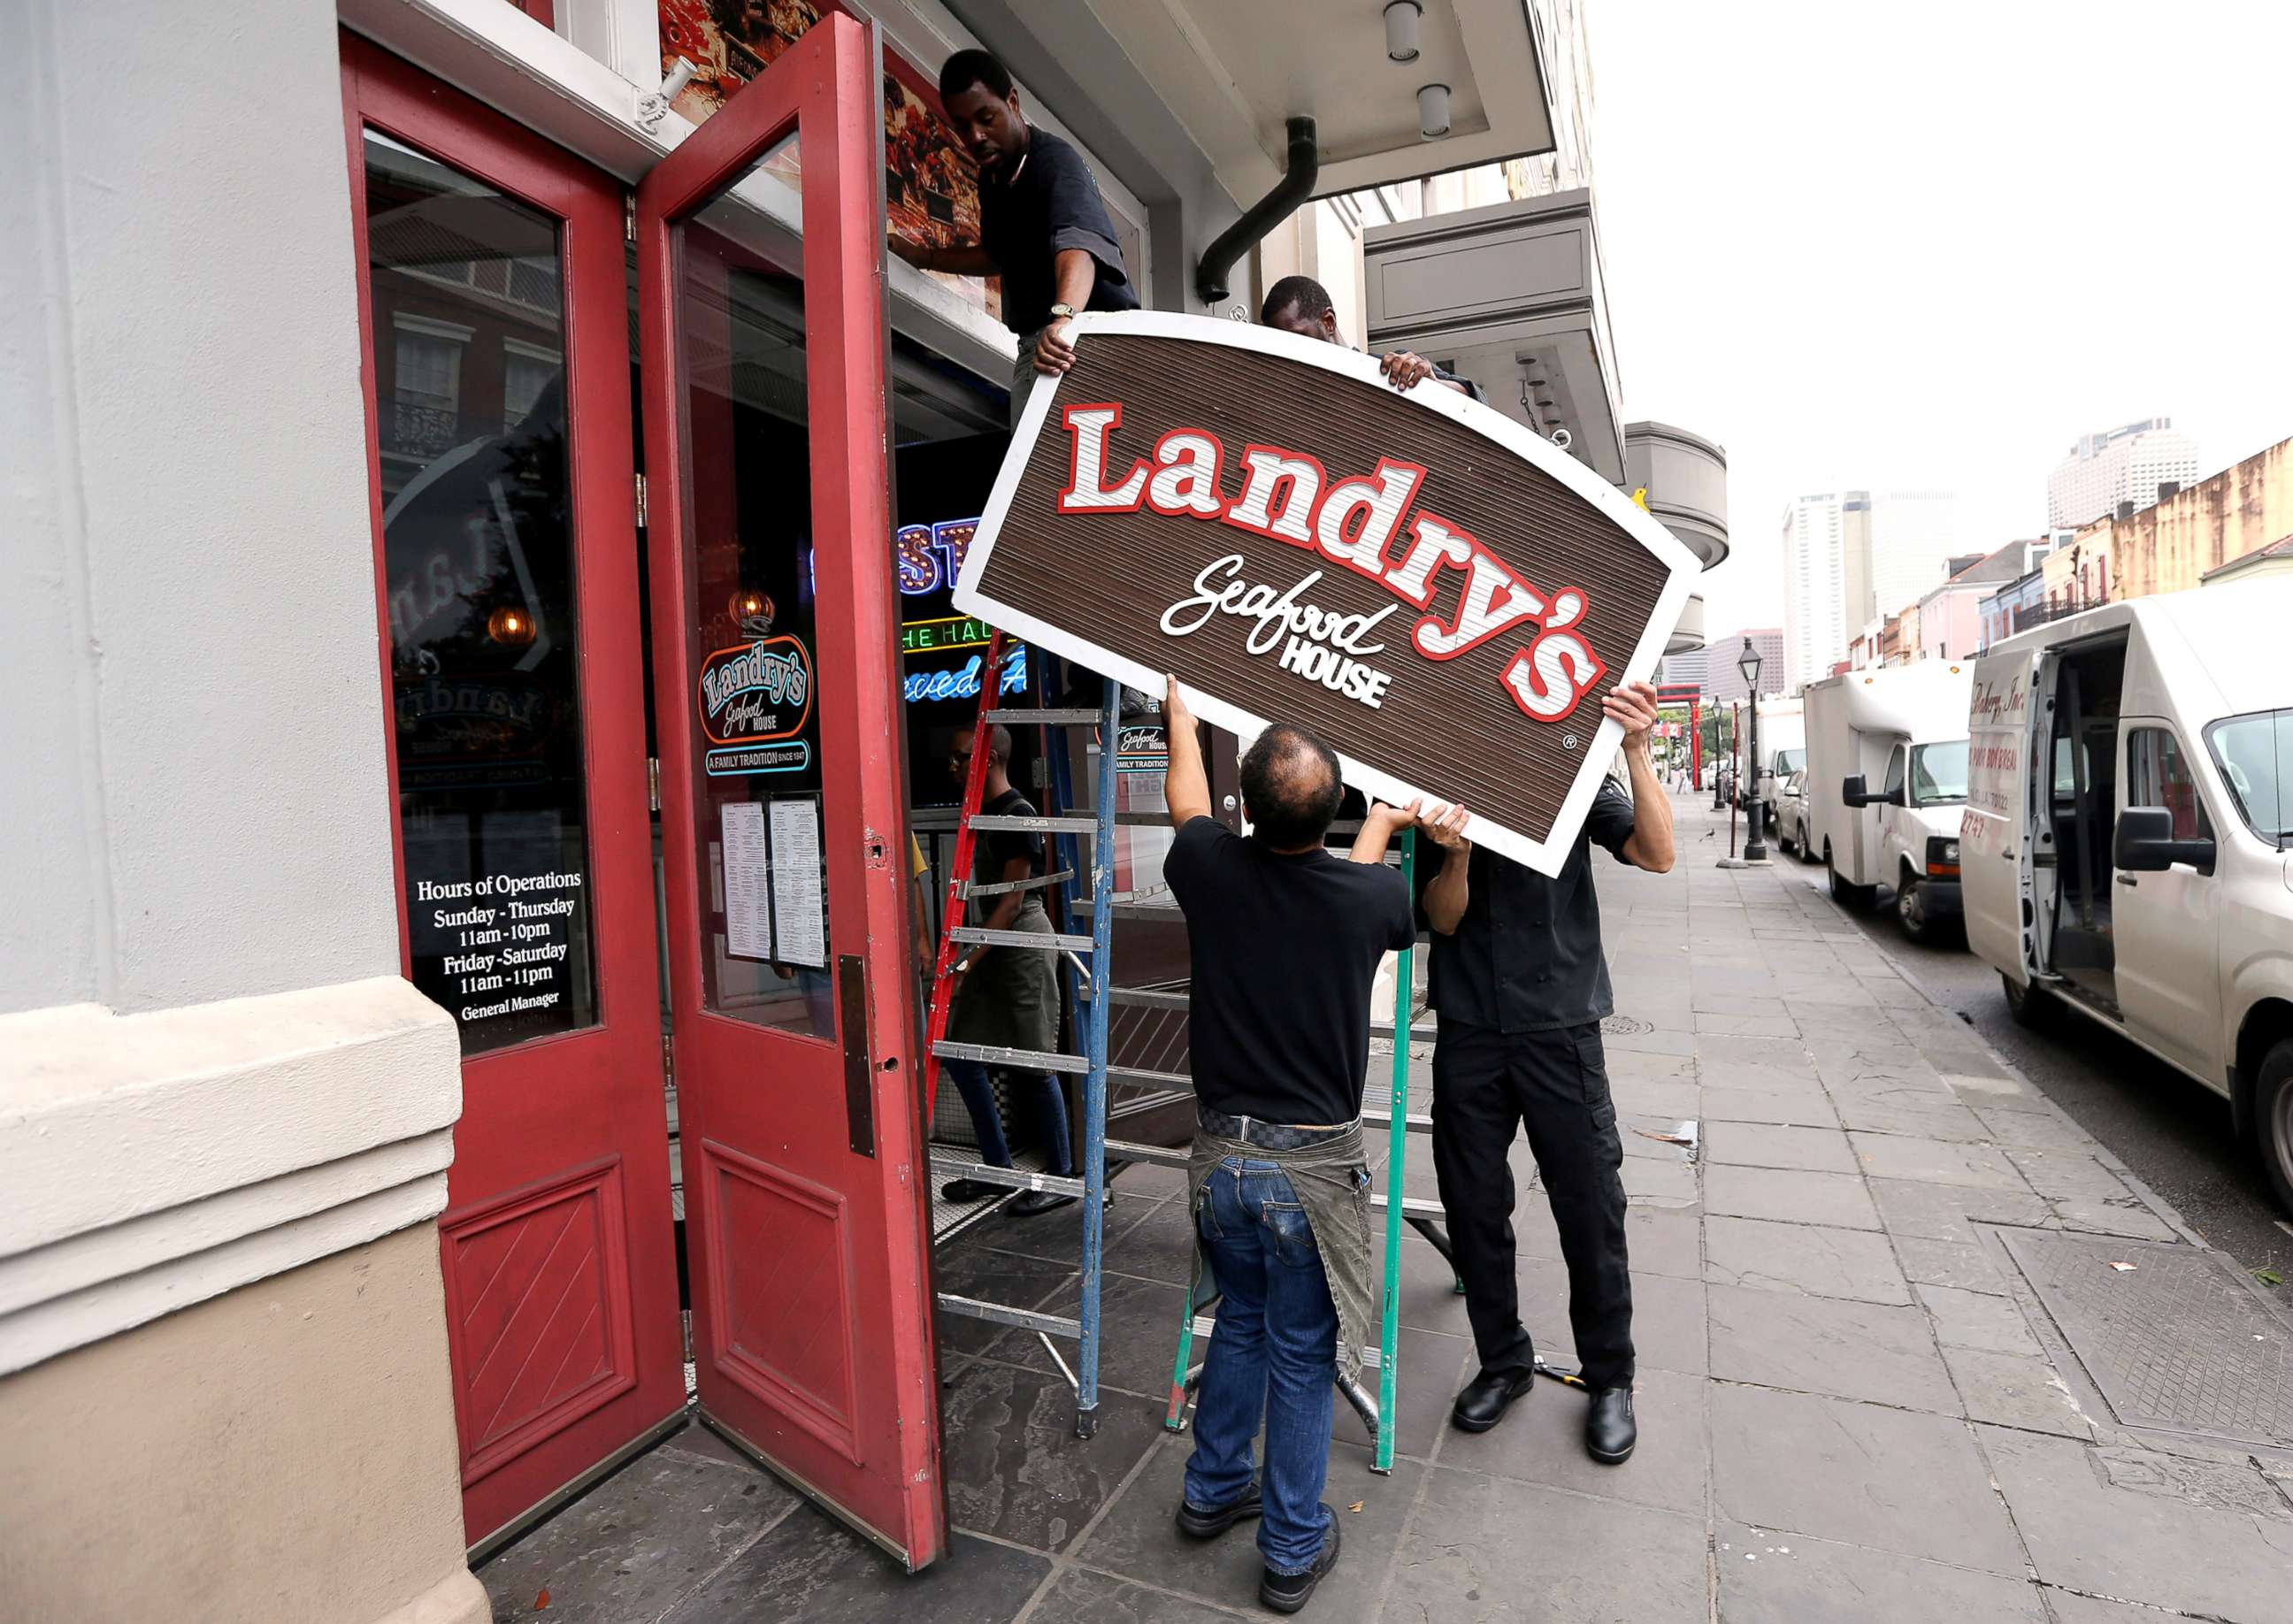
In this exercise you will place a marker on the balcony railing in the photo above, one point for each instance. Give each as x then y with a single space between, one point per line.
423 429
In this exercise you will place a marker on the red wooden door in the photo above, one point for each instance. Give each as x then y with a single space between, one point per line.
776 637
493 301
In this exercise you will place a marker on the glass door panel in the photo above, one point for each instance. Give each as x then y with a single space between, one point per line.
477 538
758 789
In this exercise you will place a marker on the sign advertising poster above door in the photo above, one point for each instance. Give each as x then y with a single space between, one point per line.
1440 594
931 185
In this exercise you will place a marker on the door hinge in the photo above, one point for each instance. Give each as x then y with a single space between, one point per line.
641 502
629 216
668 1060
652 783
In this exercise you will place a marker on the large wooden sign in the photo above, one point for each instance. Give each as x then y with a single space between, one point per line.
1441 595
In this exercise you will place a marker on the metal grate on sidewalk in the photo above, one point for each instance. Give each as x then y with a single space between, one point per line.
2180 1342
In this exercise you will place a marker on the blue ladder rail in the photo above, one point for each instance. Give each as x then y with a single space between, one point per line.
1088 985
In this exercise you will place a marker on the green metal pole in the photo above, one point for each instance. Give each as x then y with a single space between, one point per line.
1397 1153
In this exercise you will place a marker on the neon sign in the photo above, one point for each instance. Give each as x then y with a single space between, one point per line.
930 555
963 681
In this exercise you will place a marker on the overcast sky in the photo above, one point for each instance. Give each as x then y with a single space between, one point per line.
1930 245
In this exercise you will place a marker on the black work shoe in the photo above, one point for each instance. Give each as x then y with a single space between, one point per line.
1486 1397
1039 1201
1288 1592
1198 1524
971 1190
1609 1429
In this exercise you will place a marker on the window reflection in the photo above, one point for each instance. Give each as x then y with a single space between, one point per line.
471 419
755 715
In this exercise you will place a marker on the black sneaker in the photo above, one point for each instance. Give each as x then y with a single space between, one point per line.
968 1189
1288 1592
1036 1201
1199 1525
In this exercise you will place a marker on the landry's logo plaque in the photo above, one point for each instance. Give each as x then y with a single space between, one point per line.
1440 594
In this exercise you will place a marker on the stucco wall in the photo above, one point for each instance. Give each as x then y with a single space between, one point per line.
2170 546
284 1451
195 805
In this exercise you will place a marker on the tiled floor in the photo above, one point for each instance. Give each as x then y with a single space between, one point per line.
1842 1417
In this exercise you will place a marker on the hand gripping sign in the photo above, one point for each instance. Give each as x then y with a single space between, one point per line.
1441 595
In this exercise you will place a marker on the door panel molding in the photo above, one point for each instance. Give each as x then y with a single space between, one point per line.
495 1308
770 1323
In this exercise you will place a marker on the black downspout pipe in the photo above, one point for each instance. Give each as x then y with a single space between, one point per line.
1294 188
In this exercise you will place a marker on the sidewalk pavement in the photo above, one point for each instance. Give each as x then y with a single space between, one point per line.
1853 1403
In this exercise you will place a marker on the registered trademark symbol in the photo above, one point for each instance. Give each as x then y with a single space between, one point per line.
1567 742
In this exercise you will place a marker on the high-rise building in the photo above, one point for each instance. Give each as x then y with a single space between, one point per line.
1827 552
1686 668
1914 535
1725 682
2132 463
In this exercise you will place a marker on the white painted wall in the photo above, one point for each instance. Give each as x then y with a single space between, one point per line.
212 1069
195 805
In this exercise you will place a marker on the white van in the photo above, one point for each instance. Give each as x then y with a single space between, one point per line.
2125 846
1902 728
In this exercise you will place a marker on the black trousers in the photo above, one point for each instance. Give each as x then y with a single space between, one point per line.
1486 1085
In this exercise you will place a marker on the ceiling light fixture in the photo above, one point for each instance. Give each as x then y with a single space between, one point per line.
1401 19
1433 111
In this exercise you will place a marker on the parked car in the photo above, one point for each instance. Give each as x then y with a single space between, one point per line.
2127 831
1904 726
1791 816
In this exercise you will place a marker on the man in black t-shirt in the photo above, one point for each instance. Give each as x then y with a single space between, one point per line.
1043 228
1284 939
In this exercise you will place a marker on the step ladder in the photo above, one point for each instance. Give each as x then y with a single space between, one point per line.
1088 984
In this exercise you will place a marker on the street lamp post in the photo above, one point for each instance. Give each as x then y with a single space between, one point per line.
1755 849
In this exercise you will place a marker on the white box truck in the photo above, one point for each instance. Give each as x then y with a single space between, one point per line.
2126 840
1783 749
1886 777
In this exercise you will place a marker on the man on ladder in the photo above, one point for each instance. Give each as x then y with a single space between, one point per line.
1006 997
1284 940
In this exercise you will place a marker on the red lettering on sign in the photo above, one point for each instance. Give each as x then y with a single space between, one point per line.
1494 599
1292 476
1357 518
1087 424
1559 667
1188 463
1287 497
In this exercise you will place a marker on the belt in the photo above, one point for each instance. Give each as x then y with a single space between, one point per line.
1269 1136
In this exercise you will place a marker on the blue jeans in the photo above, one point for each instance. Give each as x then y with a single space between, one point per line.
987 1122
1274 1355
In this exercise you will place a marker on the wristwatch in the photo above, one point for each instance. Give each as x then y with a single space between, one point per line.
1063 312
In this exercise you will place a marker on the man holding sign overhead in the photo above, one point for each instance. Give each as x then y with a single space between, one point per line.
1284 939
1522 985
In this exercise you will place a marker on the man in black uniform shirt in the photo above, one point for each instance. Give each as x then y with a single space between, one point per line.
1284 939
1043 227
1521 985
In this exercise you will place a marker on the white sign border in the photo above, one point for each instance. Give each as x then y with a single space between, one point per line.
1546 856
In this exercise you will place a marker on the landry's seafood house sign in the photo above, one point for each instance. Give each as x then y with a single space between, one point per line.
1440 594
